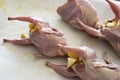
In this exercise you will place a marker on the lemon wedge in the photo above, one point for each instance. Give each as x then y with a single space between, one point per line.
71 61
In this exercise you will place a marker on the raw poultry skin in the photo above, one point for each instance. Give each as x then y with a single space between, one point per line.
112 34
43 36
79 9
92 67
113 37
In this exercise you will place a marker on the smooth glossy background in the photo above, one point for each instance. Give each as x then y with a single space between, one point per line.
17 62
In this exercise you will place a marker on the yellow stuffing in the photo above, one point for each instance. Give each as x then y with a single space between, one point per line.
32 27
111 24
72 55
23 35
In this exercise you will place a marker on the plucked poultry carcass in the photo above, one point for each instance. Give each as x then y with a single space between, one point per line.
43 36
110 30
81 9
83 63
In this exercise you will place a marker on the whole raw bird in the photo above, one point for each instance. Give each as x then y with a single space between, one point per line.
43 36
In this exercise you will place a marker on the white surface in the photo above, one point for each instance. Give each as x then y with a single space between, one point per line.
17 62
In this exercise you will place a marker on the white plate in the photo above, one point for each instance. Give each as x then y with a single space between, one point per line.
17 62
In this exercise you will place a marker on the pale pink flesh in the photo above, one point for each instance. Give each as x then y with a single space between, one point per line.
115 9
19 42
27 19
79 69
37 22
62 70
81 9
91 69
108 66
45 38
83 51
92 31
